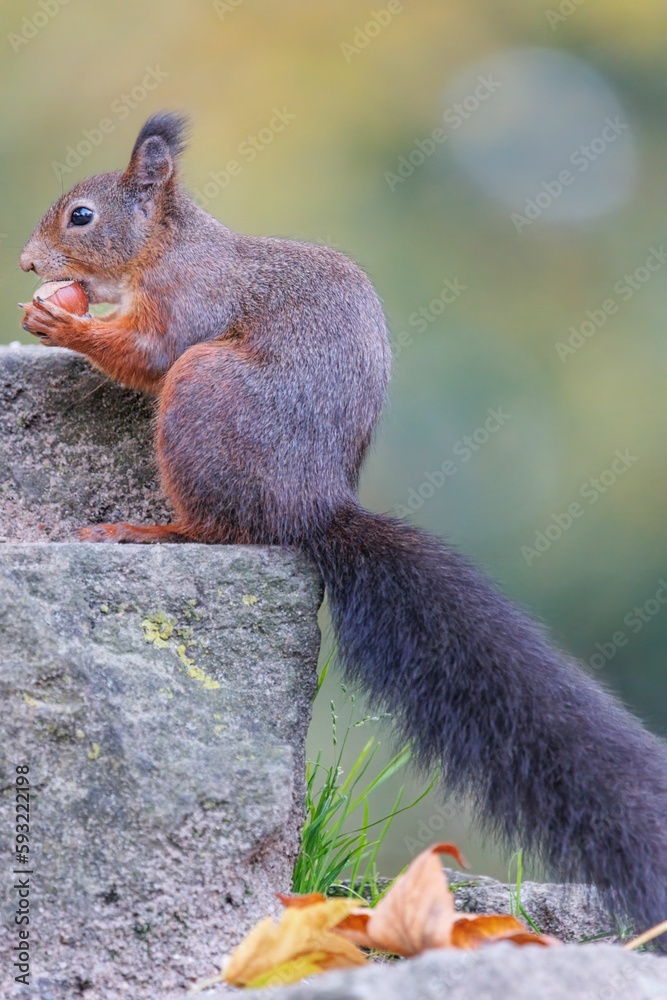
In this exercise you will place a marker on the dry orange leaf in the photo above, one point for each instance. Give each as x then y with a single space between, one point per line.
315 934
289 899
300 944
474 931
418 913
415 914
355 927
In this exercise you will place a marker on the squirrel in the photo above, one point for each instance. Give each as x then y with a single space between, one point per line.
270 362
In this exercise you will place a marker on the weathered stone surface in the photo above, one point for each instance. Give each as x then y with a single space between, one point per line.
75 448
569 912
498 972
161 697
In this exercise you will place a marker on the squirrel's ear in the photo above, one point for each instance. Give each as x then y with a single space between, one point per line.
151 164
156 152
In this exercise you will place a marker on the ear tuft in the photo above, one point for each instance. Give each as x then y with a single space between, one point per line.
170 126
157 149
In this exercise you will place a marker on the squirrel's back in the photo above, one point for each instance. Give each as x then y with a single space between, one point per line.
293 402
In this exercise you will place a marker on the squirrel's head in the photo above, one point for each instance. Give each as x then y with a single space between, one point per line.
97 232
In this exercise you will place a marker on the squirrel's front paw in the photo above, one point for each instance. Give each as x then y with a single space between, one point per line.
54 326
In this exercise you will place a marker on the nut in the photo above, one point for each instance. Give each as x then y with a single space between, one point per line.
69 295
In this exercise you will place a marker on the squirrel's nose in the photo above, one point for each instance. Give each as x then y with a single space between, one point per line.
30 259
26 262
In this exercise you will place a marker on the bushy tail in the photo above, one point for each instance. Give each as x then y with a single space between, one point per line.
553 763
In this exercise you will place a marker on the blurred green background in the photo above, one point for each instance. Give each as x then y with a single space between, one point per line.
498 168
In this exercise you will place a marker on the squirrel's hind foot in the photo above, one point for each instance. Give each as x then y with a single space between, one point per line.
142 534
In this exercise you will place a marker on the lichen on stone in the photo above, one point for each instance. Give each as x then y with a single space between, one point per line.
161 630
158 629
185 660
190 610
200 675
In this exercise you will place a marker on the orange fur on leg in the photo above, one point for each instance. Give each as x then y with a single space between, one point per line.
141 534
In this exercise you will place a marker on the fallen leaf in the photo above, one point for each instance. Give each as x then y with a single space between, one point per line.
315 934
476 930
355 927
308 899
528 937
416 913
300 944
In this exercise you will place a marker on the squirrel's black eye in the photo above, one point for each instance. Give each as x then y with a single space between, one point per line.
81 216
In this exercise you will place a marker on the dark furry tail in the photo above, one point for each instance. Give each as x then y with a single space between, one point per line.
553 763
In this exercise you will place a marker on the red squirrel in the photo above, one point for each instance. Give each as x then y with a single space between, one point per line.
270 361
